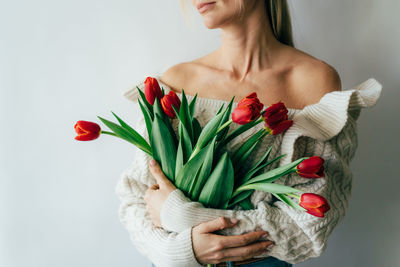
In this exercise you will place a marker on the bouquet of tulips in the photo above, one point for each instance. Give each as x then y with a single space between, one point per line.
196 158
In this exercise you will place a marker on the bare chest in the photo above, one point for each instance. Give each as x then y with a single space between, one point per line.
269 89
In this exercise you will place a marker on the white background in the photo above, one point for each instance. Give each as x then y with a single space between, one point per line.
62 61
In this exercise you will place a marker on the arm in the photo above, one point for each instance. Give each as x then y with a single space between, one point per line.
190 247
326 129
163 248
298 236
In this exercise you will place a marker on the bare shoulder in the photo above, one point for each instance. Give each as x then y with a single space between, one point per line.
176 76
312 78
187 75
183 75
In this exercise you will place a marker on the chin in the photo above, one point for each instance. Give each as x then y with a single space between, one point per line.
214 21
222 13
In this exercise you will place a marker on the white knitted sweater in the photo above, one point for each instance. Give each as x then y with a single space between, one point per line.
327 129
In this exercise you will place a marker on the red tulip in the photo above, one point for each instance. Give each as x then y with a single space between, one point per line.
152 90
248 109
168 101
87 130
312 167
281 127
314 204
276 118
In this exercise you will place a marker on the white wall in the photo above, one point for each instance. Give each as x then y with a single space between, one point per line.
61 61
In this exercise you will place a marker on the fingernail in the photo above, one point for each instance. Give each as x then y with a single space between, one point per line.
234 220
264 235
270 246
152 162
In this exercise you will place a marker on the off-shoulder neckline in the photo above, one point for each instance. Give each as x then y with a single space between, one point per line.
371 88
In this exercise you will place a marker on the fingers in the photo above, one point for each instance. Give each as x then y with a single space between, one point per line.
158 173
217 224
241 240
246 252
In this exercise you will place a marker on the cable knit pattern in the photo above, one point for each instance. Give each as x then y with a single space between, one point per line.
327 129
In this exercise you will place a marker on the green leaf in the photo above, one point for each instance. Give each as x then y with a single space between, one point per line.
246 146
208 132
220 109
148 105
160 112
148 117
193 182
184 115
288 201
253 171
164 149
217 191
179 158
261 160
187 173
130 136
124 124
268 187
205 171
192 106
225 119
274 174
246 204
241 196
184 148
196 130
241 129
186 143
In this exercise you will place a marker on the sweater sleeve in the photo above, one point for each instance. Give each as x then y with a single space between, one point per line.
327 129
161 247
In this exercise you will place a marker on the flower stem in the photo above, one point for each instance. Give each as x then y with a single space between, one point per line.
260 119
109 133
223 126
293 195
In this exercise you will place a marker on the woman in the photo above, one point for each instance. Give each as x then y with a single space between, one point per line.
256 55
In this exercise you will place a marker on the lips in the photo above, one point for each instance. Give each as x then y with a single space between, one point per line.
204 6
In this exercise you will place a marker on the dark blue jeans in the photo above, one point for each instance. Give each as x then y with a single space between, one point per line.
267 262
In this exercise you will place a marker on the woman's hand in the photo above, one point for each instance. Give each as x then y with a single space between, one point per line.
211 248
156 195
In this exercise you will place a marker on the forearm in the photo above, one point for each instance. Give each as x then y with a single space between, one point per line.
298 235
296 240
163 248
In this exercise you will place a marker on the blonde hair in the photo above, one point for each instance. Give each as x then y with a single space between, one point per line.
279 17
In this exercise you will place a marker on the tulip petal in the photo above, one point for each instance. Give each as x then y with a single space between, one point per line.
311 168
248 109
169 101
316 212
241 115
315 204
152 90
281 127
274 108
87 130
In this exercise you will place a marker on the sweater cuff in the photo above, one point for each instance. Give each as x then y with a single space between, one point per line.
179 213
186 248
171 211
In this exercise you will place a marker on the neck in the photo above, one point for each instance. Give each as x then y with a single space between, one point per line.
247 44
